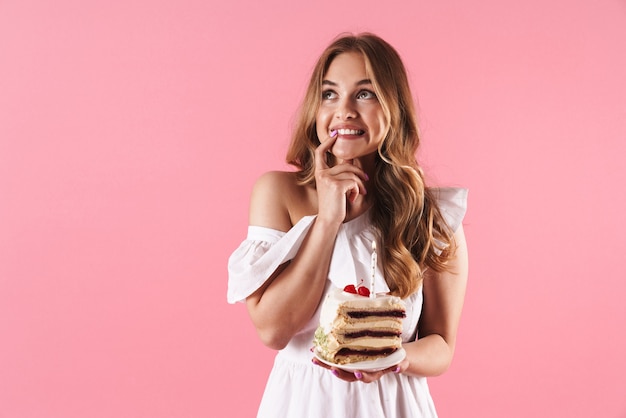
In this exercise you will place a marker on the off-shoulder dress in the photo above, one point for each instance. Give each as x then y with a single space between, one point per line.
298 388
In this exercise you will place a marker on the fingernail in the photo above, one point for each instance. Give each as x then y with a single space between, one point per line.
333 133
335 372
358 375
366 177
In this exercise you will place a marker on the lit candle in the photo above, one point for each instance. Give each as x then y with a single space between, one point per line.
373 278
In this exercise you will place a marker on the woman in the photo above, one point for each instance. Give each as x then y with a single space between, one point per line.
357 180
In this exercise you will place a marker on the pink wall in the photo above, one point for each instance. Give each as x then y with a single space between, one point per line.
132 131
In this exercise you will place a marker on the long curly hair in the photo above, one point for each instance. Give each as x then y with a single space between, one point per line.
411 230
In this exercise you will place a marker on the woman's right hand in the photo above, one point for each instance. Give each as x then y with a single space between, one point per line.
336 186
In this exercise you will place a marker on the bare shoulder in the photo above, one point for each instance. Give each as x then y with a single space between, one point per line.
276 196
272 178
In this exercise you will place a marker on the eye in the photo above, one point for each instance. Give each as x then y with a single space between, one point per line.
366 94
328 95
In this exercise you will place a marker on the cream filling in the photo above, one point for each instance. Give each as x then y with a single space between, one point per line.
364 343
345 326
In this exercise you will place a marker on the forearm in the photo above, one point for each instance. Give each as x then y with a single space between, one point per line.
429 356
289 299
444 293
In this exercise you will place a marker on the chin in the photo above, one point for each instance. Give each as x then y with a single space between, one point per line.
344 152
345 156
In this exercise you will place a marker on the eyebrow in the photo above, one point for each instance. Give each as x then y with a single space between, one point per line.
359 83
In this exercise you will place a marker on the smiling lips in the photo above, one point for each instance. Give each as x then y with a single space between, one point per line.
353 132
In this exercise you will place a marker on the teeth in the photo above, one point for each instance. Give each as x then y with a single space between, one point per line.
350 131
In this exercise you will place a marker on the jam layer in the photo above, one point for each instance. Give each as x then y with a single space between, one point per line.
371 333
380 314
369 352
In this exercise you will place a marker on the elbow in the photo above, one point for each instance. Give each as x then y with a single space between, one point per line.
445 361
274 331
273 338
436 359
443 367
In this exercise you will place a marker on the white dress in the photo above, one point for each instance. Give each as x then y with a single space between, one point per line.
296 387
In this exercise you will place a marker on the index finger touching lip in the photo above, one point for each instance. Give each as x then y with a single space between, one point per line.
327 145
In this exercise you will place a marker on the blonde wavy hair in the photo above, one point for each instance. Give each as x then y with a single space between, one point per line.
411 230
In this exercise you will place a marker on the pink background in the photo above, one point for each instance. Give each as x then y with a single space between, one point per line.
131 133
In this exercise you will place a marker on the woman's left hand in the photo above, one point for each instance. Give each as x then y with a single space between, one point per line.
363 376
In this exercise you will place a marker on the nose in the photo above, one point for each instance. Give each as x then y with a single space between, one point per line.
346 109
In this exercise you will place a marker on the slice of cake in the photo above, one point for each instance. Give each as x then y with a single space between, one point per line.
354 327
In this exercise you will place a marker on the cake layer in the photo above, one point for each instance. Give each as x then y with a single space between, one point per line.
342 323
335 344
347 356
339 303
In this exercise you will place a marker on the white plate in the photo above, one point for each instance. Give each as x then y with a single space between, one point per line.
368 366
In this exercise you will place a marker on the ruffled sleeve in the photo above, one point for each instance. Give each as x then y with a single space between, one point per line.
260 254
452 202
